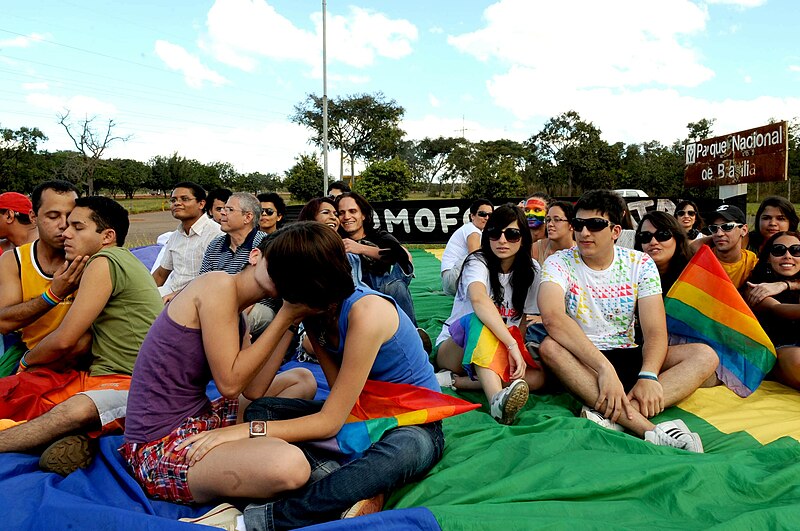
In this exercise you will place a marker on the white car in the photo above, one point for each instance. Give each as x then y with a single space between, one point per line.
631 192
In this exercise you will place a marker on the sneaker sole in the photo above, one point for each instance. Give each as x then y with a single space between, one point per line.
224 514
365 507
516 400
67 455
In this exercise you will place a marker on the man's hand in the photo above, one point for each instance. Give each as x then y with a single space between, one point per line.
168 297
756 293
67 278
611 400
396 254
351 246
650 396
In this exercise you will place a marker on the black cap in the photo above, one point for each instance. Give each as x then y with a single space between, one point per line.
730 213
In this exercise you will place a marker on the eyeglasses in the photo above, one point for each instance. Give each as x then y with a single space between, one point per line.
780 249
593 224
231 209
512 235
726 227
647 236
690 213
482 214
267 212
555 220
181 199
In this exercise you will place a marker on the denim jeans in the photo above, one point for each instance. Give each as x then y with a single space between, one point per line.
395 284
402 455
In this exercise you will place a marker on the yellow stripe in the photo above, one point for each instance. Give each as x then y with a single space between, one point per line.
436 252
771 412
486 348
743 323
412 418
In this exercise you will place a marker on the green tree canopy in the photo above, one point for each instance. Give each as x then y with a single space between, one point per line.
385 181
304 180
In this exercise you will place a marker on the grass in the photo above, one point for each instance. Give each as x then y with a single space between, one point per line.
138 205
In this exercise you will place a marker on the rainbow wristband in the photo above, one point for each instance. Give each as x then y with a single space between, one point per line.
22 363
52 302
647 375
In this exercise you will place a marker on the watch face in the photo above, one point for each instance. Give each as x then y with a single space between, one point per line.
258 427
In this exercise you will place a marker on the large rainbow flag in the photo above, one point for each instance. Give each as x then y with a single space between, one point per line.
704 306
482 348
382 406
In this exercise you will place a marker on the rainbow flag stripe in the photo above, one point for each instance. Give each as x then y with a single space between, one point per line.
704 306
382 406
482 348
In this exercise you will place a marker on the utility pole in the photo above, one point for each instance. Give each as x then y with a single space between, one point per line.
324 100
463 128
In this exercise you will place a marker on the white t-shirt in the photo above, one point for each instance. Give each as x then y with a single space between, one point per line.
475 270
603 302
456 249
183 253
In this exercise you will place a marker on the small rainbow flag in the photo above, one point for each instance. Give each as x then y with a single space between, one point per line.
482 348
704 306
382 406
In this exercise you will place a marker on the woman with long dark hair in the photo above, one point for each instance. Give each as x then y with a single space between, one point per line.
665 240
688 218
774 214
498 283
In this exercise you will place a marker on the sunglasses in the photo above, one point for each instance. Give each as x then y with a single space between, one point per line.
482 214
726 227
647 236
512 235
680 213
267 212
593 224
780 249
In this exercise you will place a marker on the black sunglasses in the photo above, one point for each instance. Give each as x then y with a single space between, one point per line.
593 224
267 211
482 214
780 249
512 235
726 227
647 236
680 213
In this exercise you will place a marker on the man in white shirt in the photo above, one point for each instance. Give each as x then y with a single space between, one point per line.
464 240
588 298
183 252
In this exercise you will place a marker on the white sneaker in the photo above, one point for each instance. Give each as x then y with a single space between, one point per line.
598 418
676 434
222 516
446 379
506 403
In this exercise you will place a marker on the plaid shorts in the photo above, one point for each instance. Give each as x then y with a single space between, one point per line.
160 470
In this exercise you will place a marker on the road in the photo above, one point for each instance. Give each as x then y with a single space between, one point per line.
145 228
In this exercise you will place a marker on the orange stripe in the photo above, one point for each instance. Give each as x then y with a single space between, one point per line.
704 280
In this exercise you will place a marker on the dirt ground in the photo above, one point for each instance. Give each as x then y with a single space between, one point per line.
145 228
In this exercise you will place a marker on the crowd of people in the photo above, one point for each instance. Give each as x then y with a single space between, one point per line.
95 343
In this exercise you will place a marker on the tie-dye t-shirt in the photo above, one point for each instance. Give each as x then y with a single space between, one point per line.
603 302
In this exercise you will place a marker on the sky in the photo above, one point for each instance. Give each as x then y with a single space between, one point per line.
219 80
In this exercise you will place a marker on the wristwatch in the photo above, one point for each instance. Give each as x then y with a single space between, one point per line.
258 428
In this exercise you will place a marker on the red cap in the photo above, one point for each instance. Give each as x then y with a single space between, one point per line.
16 202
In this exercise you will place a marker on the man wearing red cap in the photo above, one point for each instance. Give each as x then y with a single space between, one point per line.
16 227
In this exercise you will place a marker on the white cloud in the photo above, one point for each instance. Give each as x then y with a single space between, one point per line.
434 101
271 148
242 31
748 79
794 68
78 106
738 3
35 86
23 41
194 72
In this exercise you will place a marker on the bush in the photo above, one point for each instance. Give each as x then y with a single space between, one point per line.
385 181
305 179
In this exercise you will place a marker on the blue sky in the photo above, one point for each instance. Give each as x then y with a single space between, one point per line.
218 80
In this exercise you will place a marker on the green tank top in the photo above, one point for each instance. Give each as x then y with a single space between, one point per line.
120 328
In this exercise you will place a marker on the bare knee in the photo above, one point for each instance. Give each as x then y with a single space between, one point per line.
294 471
78 411
303 381
548 351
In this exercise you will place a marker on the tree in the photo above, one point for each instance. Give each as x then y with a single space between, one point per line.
18 158
495 181
460 164
362 126
428 159
701 129
304 180
122 175
90 143
571 152
385 181
256 182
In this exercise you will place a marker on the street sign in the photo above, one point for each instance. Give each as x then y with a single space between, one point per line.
754 155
